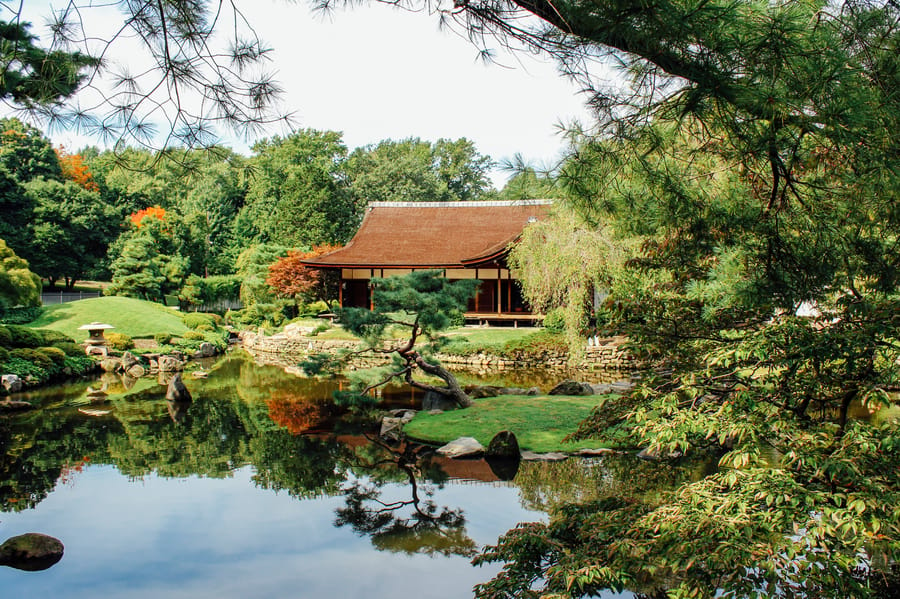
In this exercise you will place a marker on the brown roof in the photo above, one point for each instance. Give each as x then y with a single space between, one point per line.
434 234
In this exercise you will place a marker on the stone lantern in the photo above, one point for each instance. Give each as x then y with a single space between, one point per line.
96 342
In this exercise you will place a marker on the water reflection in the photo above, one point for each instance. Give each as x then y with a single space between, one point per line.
409 525
259 469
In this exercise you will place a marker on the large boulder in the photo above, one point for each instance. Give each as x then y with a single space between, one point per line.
464 447
177 391
135 371
129 360
12 383
31 551
438 401
169 364
391 427
503 445
206 350
570 387
111 364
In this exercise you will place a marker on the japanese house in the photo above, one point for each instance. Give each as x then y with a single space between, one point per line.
467 240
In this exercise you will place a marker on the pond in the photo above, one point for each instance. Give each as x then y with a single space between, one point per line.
259 488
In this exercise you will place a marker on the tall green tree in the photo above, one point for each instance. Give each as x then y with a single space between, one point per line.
299 194
71 230
146 263
412 170
26 153
18 285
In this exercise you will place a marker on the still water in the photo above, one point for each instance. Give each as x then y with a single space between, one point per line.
259 488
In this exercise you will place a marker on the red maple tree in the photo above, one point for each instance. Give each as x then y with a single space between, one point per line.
289 277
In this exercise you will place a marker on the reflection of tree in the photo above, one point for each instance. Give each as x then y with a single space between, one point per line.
302 466
545 486
415 525
300 415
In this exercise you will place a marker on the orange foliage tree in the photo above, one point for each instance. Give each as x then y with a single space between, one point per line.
74 169
152 212
289 277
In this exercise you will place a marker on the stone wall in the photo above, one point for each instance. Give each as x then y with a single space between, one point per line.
293 346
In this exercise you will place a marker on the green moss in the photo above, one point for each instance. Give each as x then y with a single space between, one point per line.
539 423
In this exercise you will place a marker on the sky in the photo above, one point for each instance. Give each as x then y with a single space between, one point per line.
374 73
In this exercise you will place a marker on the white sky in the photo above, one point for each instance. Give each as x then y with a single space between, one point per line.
375 73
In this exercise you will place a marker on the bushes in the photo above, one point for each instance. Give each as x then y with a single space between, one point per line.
19 336
20 315
195 320
119 341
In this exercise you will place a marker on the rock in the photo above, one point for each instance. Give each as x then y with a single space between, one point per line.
461 448
96 350
437 401
31 552
94 412
570 387
111 364
590 452
530 456
169 364
503 445
482 391
177 391
295 330
129 360
200 374
8 405
11 382
404 414
391 427
206 350
135 371
532 391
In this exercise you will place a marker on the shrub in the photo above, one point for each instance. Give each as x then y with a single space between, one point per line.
20 336
194 335
24 368
4 355
314 308
119 341
70 348
194 320
555 321
162 338
321 328
42 361
50 337
56 355
20 315
5 337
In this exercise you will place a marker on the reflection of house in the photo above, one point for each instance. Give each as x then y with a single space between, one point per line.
467 240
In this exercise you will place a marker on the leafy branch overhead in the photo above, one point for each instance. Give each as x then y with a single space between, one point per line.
419 305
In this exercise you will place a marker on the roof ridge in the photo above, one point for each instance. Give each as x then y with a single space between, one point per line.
466 204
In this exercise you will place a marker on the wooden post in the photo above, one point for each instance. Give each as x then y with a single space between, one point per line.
499 293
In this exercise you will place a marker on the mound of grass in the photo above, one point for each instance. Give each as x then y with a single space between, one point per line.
133 317
539 422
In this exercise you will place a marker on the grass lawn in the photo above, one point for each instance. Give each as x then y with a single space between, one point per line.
133 317
539 422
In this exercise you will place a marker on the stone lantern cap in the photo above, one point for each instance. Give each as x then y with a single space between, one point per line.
95 332
95 326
